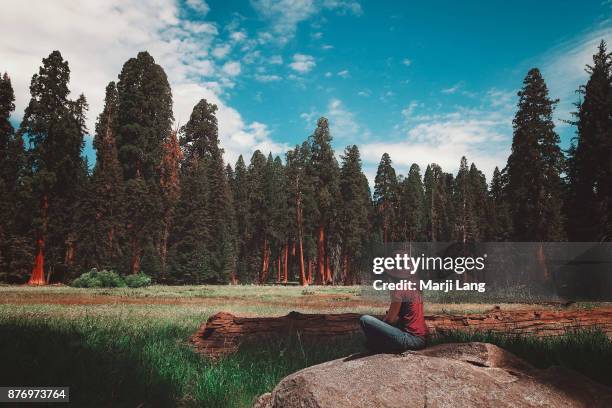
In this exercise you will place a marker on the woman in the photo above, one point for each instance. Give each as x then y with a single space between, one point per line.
403 327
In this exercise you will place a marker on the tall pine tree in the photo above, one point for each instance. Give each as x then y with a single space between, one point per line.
386 198
108 186
590 168
354 214
325 173
144 122
534 167
15 247
240 197
411 211
54 125
204 246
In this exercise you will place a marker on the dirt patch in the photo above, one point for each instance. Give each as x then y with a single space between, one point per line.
318 301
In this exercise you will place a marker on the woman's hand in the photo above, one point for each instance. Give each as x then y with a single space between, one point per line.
393 313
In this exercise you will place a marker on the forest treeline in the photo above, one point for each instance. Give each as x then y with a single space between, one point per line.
161 200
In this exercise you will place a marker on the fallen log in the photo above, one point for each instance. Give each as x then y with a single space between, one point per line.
223 332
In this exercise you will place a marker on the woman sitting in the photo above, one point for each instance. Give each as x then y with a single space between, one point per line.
403 327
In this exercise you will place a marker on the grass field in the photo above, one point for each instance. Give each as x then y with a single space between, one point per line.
126 347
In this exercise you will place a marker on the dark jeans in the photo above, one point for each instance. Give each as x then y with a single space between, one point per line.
381 337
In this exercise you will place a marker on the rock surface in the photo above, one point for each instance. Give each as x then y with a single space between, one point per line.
224 332
448 375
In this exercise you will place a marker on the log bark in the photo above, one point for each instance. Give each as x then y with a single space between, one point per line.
223 333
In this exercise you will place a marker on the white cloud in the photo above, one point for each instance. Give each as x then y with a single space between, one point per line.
328 74
285 15
317 36
342 121
200 28
407 62
110 32
238 36
302 63
326 47
267 78
276 60
232 68
199 5
482 136
344 73
310 118
453 89
344 6
409 110
221 51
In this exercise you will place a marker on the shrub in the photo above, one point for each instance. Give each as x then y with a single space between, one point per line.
138 281
99 279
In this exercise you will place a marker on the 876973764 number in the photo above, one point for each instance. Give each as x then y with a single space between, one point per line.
34 394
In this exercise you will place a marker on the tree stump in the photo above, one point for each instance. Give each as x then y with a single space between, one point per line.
223 332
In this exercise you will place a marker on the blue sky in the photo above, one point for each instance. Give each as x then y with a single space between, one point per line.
424 81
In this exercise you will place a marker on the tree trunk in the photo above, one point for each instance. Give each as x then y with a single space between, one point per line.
321 255
300 231
163 250
286 264
278 268
346 270
38 274
263 276
328 273
136 252
309 279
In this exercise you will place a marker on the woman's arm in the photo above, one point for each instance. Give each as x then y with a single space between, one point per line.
393 312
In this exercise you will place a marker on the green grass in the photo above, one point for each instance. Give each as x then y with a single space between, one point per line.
131 359
120 354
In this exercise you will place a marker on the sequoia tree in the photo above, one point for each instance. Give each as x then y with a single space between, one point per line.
325 174
54 125
412 201
590 168
386 198
15 247
354 213
107 182
257 219
241 209
438 207
144 122
203 240
534 167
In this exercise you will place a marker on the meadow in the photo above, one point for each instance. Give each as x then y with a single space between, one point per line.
129 347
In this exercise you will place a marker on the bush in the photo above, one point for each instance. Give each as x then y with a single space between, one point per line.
138 281
99 279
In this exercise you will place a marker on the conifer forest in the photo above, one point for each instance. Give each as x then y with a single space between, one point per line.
160 199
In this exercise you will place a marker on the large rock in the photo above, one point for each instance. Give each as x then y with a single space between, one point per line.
448 375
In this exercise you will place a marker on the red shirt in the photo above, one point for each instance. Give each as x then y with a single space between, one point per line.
411 317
